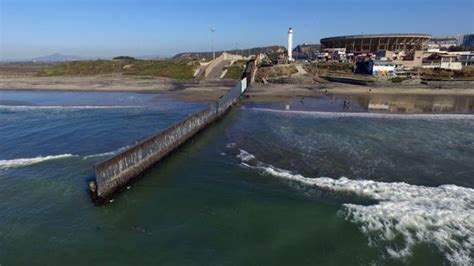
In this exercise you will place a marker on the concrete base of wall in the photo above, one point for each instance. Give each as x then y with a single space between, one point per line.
108 198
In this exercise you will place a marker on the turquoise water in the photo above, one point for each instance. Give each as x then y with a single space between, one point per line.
260 187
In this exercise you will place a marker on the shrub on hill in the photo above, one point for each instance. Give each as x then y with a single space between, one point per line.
176 69
129 58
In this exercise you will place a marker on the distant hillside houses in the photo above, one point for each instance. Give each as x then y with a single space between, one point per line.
244 52
306 51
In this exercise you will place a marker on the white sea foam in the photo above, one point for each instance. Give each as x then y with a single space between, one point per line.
109 153
370 115
443 216
62 107
5 164
14 163
245 156
230 145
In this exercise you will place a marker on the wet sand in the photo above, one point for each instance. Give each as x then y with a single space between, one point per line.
211 90
282 92
184 90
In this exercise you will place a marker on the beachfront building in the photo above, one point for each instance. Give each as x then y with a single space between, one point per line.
405 49
433 60
383 68
450 62
376 68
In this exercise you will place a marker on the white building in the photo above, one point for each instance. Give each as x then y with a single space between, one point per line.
338 54
383 68
450 62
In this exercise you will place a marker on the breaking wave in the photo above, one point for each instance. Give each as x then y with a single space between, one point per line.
110 153
441 215
15 163
62 107
370 115
5 164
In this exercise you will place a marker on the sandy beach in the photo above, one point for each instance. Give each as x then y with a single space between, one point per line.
203 91
184 90
280 92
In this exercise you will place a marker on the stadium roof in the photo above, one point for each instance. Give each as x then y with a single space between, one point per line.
374 42
383 35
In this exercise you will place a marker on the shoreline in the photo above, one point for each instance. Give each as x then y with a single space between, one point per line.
204 91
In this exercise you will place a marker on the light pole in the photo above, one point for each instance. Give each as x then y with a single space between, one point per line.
213 52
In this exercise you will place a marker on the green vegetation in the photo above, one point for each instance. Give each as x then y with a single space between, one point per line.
398 79
176 69
124 58
172 69
235 70
78 68
337 70
331 66
276 71
466 73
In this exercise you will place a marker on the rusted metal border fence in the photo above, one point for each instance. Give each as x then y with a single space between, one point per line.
122 168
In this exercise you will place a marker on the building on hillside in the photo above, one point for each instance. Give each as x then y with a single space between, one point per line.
321 56
468 41
336 54
306 51
442 43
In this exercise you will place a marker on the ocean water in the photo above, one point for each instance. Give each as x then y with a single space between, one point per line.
319 184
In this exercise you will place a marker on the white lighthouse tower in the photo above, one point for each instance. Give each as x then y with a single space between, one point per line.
290 44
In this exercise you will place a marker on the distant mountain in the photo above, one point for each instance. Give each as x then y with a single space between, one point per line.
57 58
246 52
150 57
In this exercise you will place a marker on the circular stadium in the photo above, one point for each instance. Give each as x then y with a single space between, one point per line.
372 43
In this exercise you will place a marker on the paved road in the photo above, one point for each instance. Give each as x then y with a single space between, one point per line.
217 71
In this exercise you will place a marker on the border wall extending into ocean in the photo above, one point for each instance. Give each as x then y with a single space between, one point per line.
117 172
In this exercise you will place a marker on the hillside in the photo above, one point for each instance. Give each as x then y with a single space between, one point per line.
246 52
56 58
176 69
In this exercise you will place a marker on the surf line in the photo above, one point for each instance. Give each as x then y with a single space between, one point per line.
411 212
63 107
22 162
321 114
119 171
14 163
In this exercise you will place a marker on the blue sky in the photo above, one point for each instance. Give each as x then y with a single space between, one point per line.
31 28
